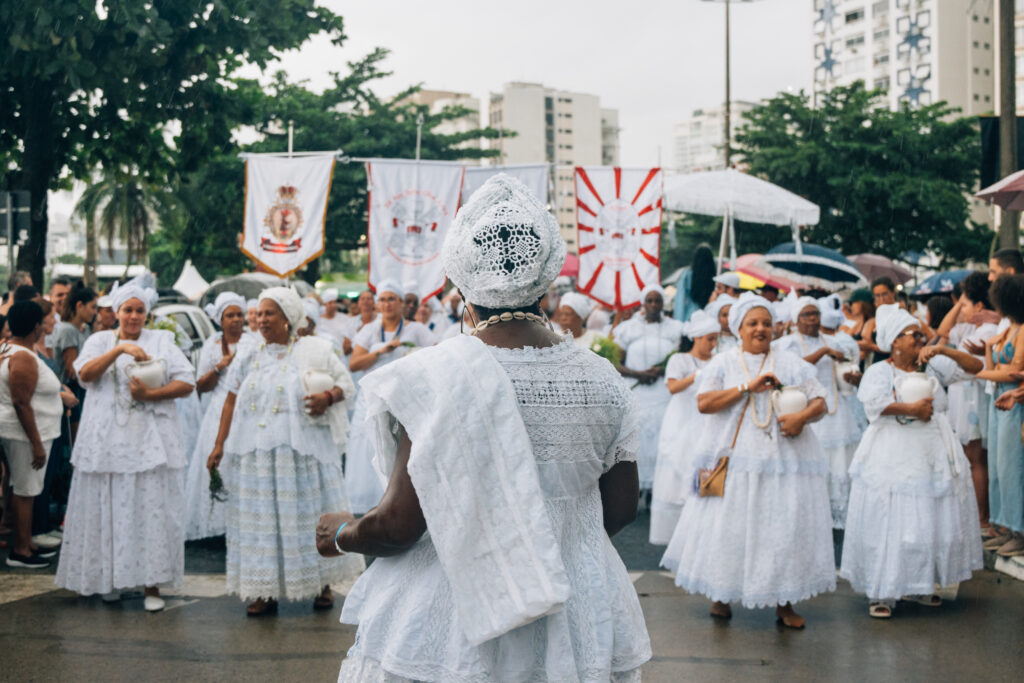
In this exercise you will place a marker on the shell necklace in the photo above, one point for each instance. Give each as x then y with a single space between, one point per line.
770 356
279 392
835 379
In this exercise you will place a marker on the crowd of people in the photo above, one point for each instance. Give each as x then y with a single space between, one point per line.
481 448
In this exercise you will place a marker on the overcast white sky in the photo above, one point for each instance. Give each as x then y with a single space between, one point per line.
653 60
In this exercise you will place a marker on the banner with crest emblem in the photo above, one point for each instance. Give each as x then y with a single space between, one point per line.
286 210
412 203
618 221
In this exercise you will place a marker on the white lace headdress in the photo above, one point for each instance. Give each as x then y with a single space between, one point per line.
503 250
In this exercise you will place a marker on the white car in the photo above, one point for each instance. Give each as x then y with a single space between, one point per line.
192 320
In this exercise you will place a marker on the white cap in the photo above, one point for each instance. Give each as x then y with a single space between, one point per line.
728 279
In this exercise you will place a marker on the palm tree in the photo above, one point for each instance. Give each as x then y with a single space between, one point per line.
125 206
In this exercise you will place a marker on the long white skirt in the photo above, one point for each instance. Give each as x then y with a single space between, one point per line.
839 458
366 670
673 473
767 541
651 402
190 417
276 500
123 531
364 486
203 520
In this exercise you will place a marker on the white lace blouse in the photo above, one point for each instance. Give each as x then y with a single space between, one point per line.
118 434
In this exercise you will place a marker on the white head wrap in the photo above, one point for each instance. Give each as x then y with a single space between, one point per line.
223 301
410 288
581 304
329 296
890 320
653 287
715 307
390 286
105 301
802 303
728 279
312 309
746 303
120 294
700 324
289 303
251 304
831 312
503 250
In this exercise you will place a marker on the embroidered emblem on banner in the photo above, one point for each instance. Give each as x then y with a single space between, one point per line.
284 220
413 238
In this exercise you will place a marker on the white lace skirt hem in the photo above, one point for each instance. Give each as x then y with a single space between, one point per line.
275 502
123 531
768 541
900 544
358 669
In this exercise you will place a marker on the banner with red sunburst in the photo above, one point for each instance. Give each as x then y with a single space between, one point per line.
618 223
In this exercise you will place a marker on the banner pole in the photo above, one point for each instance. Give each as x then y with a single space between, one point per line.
291 132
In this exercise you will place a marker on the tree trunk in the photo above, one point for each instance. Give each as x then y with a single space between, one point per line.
38 168
1009 235
91 254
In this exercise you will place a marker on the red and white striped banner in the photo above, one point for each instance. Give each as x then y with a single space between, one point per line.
618 222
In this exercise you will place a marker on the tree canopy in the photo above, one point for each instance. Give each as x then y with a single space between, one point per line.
888 182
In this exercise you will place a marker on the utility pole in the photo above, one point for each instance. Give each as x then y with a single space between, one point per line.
419 133
1009 231
727 133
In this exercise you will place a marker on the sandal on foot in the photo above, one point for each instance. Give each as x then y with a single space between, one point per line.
261 607
323 602
792 620
721 612
1012 548
926 600
996 541
879 610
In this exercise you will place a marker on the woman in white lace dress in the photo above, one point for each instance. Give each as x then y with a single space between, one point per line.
768 540
517 466
204 517
123 527
648 338
913 518
674 473
839 431
284 467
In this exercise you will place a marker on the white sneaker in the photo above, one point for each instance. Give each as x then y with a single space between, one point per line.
153 603
46 541
112 596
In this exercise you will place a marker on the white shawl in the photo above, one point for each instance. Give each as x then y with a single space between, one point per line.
315 353
473 470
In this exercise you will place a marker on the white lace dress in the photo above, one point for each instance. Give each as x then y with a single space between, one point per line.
674 473
648 344
123 527
913 518
204 518
577 414
768 540
283 473
364 484
839 431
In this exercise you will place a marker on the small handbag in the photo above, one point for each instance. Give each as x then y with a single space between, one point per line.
711 482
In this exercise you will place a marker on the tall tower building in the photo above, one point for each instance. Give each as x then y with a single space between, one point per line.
697 142
563 128
920 51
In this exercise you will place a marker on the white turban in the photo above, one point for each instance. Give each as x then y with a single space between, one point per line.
251 304
223 301
504 249
390 286
831 312
289 303
312 309
410 288
121 294
718 304
802 303
330 295
890 320
701 324
653 287
744 305
581 304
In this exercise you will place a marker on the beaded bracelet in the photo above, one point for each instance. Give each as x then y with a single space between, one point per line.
336 534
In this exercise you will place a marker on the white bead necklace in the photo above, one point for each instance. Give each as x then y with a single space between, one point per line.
276 408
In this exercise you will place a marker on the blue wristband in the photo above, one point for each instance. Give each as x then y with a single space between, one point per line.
338 533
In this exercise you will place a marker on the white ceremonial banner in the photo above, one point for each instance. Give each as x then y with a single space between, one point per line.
285 210
618 221
534 176
412 203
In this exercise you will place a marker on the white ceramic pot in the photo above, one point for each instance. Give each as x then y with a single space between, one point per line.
788 400
316 381
845 388
915 386
149 372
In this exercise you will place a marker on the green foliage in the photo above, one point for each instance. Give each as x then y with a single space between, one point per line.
82 89
887 182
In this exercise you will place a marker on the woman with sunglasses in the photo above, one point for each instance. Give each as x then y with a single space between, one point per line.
912 521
